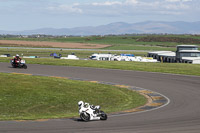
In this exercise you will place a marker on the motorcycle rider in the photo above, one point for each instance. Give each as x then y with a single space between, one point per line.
17 59
82 105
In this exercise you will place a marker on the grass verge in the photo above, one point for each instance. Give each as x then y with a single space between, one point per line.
174 68
25 97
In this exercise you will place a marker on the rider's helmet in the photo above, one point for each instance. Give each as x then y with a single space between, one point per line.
86 105
80 103
17 55
97 107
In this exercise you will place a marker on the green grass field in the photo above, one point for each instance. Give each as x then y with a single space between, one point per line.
25 97
174 68
126 42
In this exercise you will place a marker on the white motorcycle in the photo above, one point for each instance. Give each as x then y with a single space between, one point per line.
88 112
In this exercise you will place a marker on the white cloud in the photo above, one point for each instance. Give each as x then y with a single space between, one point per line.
137 7
133 2
170 13
187 0
119 8
76 4
178 0
66 8
111 3
107 3
176 7
172 0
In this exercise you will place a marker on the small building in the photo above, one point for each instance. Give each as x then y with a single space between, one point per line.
186 51
189 56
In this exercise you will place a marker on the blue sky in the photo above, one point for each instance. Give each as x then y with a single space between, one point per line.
34 14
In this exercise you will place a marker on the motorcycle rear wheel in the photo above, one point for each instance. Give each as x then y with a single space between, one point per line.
85 116
13 65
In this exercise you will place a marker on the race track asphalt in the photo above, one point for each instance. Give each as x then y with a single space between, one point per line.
181 115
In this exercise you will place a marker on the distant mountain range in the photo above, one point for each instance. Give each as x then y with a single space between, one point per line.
151 27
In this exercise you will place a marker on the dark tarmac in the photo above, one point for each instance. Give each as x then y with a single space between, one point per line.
181 115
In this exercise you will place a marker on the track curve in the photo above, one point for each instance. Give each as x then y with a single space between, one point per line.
182 115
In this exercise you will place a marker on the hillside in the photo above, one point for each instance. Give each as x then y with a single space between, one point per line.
148 27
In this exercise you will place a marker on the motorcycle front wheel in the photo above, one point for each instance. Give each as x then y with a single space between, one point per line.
103 116
85 116
13 66
25 66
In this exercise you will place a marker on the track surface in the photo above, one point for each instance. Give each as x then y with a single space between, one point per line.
182 115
